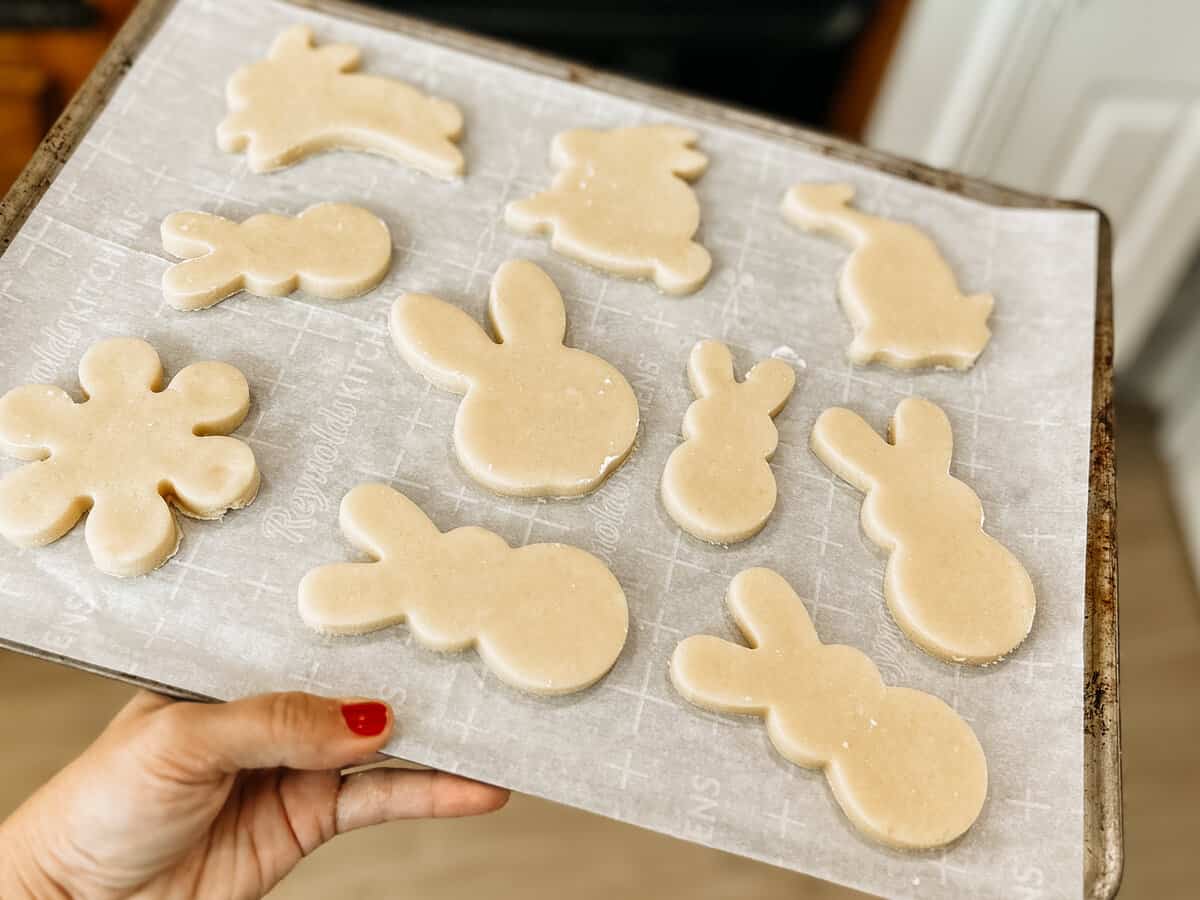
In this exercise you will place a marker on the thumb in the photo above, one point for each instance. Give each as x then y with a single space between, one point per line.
293 730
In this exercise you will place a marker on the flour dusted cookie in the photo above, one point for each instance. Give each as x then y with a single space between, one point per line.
621 203
537 419
304 99
898 292
717 485
546 618
123 454
955 590
331 250
905 768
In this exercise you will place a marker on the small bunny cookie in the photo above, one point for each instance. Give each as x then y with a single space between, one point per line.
303 99
905 768
621 203
331 250
546 618
125 455
717 484
538 419
900 296
955 590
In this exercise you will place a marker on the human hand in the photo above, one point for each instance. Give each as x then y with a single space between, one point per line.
215 800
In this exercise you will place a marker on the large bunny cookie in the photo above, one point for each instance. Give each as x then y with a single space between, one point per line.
955 590
331 250
546 618
302 100
717 484
123 453
621 202
904 767
898 292
538 418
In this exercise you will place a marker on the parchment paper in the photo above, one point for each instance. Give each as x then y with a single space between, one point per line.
333 405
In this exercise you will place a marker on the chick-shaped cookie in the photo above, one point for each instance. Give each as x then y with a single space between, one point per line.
125 453
304 99
717 484
905 768
331 250
621 202
546 618
538 418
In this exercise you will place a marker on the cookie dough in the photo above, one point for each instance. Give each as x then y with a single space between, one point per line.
123 454
303 100
898 292
546 618
537 419
955 591
717 485
905 768
331 250
621 203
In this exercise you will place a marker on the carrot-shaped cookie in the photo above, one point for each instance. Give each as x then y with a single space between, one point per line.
955 590
904 767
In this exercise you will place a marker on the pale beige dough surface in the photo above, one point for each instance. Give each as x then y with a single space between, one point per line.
304 99
546 618
331 250
904 767
956 591
537 418
123 454
896 288
717 485
621 202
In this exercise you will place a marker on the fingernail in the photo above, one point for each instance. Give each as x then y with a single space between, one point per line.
365 719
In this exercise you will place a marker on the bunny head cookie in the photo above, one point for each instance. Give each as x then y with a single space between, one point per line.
904 767
123 454
546 618
331 250
900 295
621 202
957 592
538 418
717 485
304 99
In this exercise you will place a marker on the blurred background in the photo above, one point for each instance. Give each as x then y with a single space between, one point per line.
1089 99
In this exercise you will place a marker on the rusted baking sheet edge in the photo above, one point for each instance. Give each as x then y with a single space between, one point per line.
1103 849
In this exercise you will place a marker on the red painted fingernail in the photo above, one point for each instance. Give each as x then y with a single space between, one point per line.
365 719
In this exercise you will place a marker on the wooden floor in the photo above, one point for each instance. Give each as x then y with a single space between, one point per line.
535 849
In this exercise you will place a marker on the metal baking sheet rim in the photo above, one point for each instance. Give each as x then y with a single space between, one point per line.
1103 847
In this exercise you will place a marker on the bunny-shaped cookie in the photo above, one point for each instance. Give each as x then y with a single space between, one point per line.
331 250
717 484
955 590
538 418
904 767
621 202
898 292
302 100
546 618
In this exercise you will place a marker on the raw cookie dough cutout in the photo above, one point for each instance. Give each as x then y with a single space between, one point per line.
537 419
621 203
957 592
905 768
896 288
121 455
331 250
717 485
546 618
302 100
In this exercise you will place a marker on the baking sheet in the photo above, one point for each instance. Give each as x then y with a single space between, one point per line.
333 405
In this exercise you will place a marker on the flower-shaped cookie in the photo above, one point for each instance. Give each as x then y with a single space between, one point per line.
123 454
